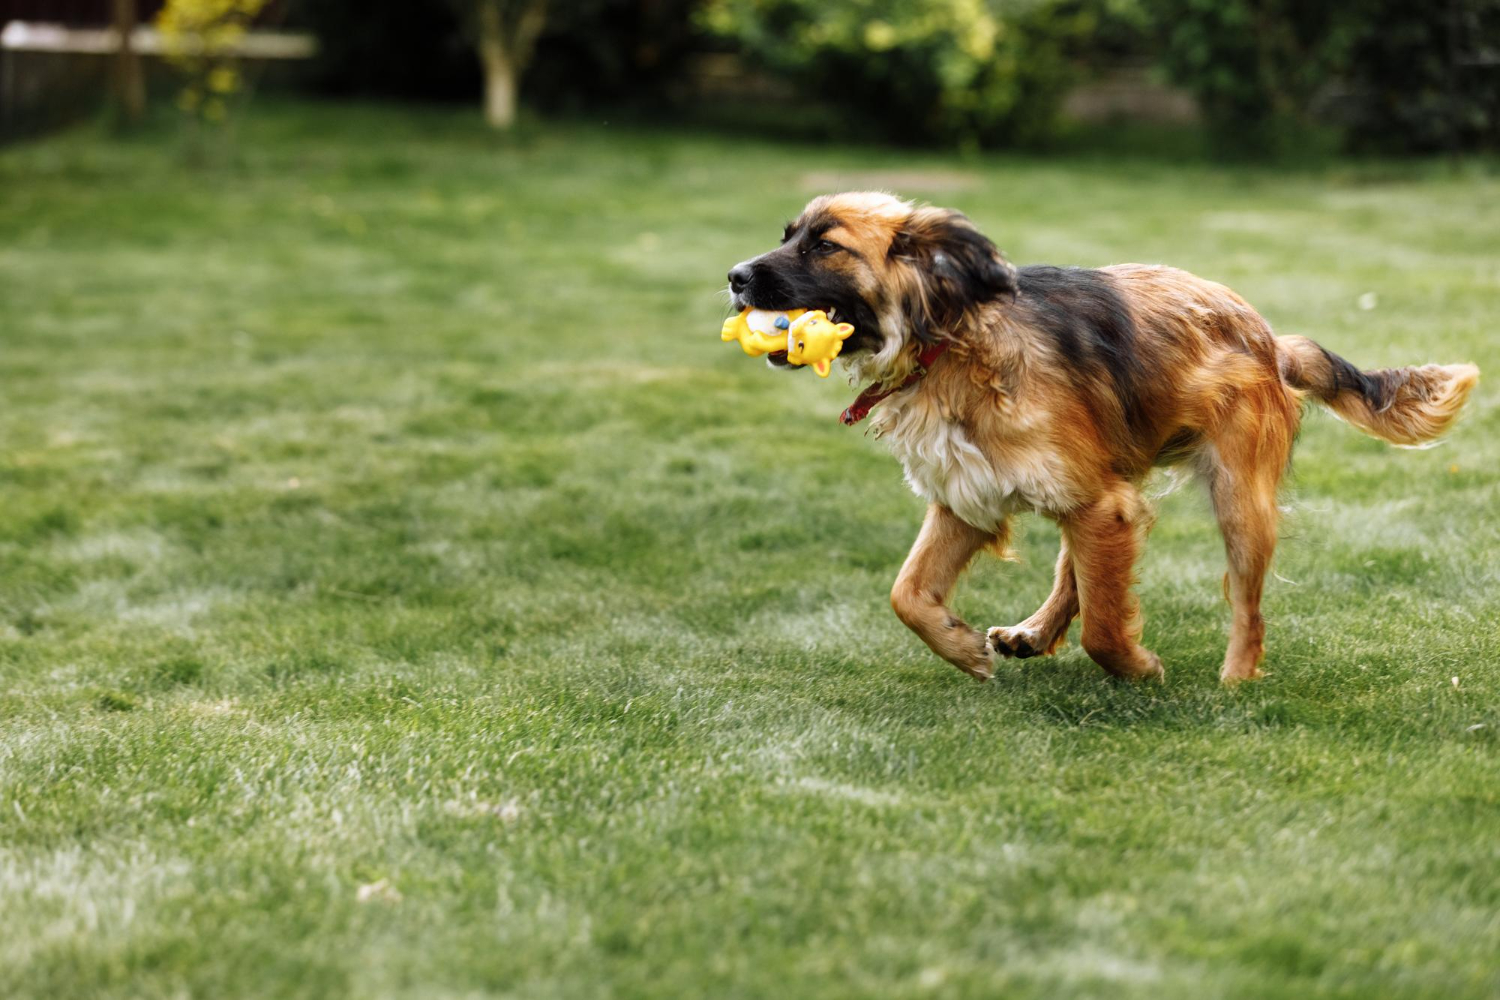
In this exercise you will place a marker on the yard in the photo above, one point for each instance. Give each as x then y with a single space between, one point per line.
403 592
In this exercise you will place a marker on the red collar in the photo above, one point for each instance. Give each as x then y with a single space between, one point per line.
866 400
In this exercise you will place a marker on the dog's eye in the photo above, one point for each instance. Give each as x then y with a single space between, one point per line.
824 247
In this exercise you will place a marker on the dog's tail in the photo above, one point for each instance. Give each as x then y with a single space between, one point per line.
1406 406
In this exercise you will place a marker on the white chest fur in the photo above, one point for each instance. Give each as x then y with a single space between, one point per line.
943 465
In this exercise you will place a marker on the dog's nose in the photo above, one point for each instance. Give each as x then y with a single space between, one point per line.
739 277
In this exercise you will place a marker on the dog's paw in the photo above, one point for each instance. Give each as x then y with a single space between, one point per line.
983 668
980 664
1233 674
1152 671
1018 642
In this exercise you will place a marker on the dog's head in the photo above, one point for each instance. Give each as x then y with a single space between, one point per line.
900 273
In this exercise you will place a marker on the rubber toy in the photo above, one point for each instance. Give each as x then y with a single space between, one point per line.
760 331
808 338
814 339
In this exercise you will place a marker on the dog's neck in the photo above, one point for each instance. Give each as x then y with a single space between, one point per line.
877 391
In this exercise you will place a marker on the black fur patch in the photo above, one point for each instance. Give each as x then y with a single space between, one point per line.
1377 388
962 268
1181 445
1092 330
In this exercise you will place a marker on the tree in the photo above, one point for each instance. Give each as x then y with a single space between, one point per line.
505 34
201 38
129 83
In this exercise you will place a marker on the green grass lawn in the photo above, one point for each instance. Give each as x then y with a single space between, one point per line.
403 592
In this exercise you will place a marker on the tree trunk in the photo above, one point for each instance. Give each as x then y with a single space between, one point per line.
507 34
499 87
130 83
500 70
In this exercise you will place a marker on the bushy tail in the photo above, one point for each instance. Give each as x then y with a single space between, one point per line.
1407 406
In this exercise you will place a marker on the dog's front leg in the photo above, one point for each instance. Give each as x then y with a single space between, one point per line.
1047 628
942 550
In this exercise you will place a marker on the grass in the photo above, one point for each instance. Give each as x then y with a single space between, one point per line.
405 594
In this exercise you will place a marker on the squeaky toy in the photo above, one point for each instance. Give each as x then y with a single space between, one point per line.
760 331
807 337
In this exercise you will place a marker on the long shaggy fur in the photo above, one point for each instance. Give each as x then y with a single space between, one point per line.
1405 406
1059 391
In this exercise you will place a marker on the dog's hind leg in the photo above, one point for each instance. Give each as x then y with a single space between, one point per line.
942 550
1104 539
1045 630
1244 469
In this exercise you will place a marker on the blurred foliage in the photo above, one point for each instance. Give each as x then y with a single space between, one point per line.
1428 76
1254 65
388 48
966 70
591 51
1271 76
611 51
199 38
1412 75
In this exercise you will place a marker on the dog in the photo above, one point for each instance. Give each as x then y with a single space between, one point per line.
1057 390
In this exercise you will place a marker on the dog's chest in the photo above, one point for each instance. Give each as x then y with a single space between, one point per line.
945 465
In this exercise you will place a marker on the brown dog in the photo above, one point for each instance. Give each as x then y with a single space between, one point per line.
1057 390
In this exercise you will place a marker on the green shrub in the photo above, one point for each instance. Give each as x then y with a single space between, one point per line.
1426 77
1253 65
967 70
1414 77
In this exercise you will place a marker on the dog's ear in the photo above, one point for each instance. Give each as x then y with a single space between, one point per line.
955 266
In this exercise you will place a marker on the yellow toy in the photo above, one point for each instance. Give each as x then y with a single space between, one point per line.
808 338
760 331
814 339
